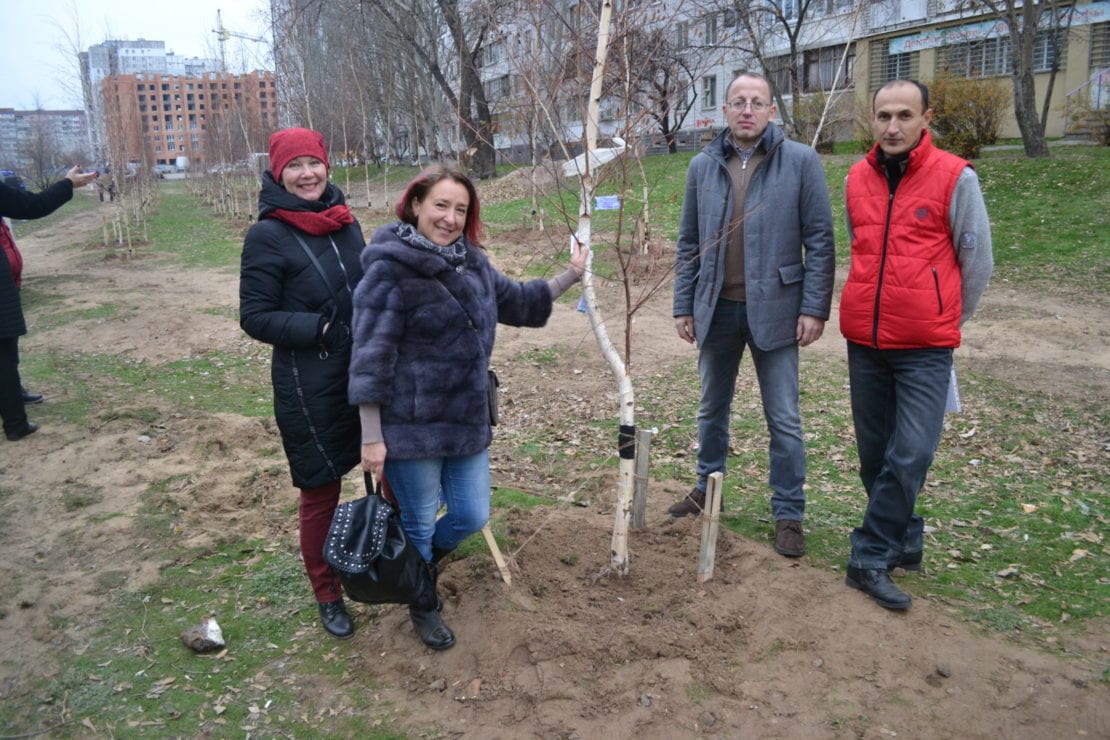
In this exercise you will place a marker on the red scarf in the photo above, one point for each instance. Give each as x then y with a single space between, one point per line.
11 251
316 223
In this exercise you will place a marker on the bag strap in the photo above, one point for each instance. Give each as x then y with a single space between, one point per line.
316 263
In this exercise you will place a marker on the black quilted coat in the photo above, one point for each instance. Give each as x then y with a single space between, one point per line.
17 203
284 301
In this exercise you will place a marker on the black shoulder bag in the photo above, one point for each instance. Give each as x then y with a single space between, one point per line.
373 557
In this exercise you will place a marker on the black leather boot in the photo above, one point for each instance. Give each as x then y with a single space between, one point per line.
427 621
876 583
337 622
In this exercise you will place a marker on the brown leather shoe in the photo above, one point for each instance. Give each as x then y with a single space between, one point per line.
789 538
693 504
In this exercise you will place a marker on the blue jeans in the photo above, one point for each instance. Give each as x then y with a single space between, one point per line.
777 371
898 410
420 485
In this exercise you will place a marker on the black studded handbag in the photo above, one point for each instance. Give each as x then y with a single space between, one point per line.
373 557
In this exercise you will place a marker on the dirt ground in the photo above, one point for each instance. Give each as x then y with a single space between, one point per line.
769 648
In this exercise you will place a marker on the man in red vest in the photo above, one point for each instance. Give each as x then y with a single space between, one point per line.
921 258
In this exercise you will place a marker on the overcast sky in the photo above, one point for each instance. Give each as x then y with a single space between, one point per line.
36 65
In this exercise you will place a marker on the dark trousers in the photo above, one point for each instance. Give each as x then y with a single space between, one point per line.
898 401
11 391
316 510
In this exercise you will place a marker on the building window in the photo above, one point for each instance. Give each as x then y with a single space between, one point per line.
886 67
492 54
498 88
979 58
710 23
709 92
822 65
1100 46
682 35
991 57
789 9
778 72
1047 49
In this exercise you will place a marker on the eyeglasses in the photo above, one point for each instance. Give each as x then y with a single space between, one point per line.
758 106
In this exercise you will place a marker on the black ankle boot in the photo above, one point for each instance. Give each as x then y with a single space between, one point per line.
337 622
425 617
429 625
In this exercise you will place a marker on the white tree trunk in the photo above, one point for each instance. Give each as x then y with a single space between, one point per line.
587 180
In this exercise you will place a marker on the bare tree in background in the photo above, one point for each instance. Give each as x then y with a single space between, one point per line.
661 76
1030 25
420 24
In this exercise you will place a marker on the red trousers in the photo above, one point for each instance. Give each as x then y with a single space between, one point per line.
316 510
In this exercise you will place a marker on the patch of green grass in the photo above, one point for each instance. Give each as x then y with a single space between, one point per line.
213 382
396 176
185 229
699 693
40 306
76 495
1062 236
539 356
507 498
135 678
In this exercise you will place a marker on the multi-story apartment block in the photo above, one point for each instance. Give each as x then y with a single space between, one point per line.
42 138
215 117
826 51
116 57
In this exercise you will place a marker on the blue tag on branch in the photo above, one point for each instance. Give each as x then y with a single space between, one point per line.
607 203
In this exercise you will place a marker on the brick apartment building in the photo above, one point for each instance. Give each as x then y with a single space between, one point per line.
213 117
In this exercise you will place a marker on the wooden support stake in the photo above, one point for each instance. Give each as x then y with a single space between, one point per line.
497 556
640 478
710 518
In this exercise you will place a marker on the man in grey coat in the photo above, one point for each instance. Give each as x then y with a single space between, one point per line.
754 267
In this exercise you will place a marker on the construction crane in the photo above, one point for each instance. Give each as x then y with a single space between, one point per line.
223 34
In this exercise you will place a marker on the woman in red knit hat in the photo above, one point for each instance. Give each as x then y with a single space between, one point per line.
300 264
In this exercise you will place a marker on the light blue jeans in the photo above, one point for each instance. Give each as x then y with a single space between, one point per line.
777 371
420 486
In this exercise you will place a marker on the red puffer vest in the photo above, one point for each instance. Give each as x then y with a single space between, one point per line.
904 287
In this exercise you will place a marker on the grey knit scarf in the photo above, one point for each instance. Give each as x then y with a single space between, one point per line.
454 253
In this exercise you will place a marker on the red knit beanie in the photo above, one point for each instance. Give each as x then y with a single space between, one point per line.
290 143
